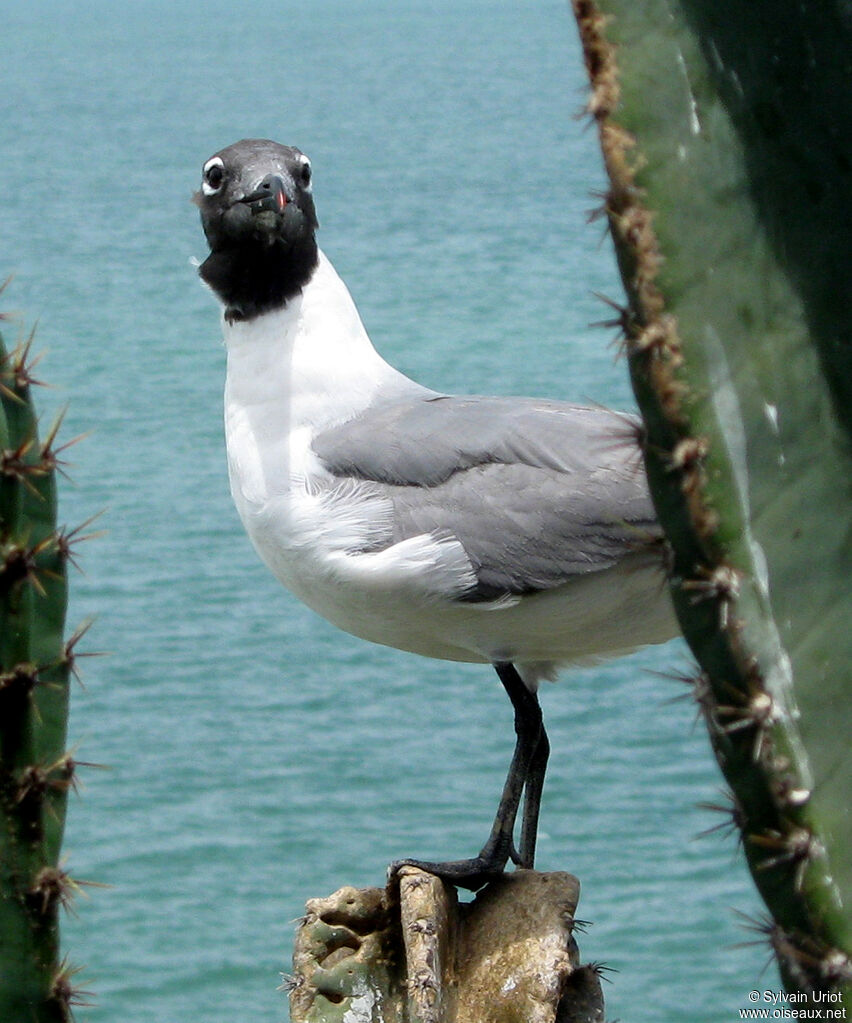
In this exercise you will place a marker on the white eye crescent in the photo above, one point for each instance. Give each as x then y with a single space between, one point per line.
213 175
305 172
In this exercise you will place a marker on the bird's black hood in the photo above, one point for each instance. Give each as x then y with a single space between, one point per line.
258 216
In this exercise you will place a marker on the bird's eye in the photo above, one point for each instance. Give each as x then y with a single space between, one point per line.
213 176
305 171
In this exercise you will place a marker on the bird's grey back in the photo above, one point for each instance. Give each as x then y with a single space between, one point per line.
536 491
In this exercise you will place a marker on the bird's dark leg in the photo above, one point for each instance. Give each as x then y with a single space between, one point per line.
525 772
527 769
532 800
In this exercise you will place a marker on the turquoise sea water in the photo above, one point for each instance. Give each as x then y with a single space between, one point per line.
256 756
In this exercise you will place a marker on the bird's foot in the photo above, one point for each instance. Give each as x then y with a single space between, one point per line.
471 874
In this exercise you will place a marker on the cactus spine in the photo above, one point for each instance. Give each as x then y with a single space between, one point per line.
721 129
36 663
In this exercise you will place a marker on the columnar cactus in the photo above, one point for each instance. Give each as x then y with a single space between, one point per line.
729 158
36 662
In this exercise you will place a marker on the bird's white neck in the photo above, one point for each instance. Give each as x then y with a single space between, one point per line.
312 358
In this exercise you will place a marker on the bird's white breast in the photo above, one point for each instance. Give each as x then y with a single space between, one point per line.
291 374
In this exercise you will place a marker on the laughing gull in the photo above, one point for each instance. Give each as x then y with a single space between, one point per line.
511 531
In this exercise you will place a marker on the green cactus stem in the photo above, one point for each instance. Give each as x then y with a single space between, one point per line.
36 663
723 130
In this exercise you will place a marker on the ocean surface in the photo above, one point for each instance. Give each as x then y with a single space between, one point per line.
255 756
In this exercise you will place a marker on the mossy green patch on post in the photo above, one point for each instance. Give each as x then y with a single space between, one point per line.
723 128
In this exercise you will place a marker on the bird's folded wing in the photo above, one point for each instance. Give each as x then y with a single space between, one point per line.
535 491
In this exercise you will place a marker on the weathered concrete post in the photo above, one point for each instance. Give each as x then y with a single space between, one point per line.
414 954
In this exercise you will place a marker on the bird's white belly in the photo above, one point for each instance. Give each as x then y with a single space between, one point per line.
314 544
406 596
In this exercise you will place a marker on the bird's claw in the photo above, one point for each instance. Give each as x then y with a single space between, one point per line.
471 874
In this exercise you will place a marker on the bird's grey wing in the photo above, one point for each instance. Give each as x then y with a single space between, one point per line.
535 491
